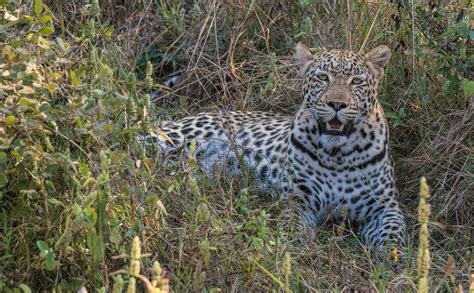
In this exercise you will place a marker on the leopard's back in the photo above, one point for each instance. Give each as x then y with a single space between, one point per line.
227 140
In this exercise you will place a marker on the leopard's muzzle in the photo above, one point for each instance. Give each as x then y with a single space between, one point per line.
335 127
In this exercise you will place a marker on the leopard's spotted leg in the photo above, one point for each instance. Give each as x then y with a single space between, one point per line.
384 226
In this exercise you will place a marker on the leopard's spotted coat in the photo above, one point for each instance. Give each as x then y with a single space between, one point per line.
326 166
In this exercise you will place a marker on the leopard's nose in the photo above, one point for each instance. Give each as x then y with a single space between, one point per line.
337 105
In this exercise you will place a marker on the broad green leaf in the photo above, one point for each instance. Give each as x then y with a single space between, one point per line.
27 18
3 180
42 245
468 88
55 202
47 30
32 37
44 107
46 19
49 261
3 157
299 35
16 154
25 288
38 7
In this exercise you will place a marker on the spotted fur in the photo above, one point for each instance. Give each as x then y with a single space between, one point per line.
332 154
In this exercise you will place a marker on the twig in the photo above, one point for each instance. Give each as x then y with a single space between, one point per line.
370 30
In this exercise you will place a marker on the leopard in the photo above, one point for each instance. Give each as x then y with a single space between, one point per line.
332 156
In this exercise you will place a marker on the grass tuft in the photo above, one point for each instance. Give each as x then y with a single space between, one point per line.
77 84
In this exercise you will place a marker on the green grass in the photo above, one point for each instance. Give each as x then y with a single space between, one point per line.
75 188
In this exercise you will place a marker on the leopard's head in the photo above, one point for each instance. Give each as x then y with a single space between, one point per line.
340 86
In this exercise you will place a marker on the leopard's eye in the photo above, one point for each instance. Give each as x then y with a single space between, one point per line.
322 77
356 81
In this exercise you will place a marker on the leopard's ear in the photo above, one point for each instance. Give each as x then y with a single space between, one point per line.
303 57
377 58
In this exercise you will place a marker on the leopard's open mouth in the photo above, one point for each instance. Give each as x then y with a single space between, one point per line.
334 127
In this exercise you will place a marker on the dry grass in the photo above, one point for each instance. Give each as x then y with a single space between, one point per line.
225 234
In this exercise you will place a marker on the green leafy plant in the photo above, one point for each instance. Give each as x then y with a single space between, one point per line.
48 254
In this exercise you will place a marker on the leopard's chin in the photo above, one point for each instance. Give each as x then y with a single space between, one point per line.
335 127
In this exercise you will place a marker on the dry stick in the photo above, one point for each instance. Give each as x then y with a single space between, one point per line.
222 76
203 39
72 142
370 30
413 38
349 31
200 37
234 42
198 40
213 20
142 17
265 32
